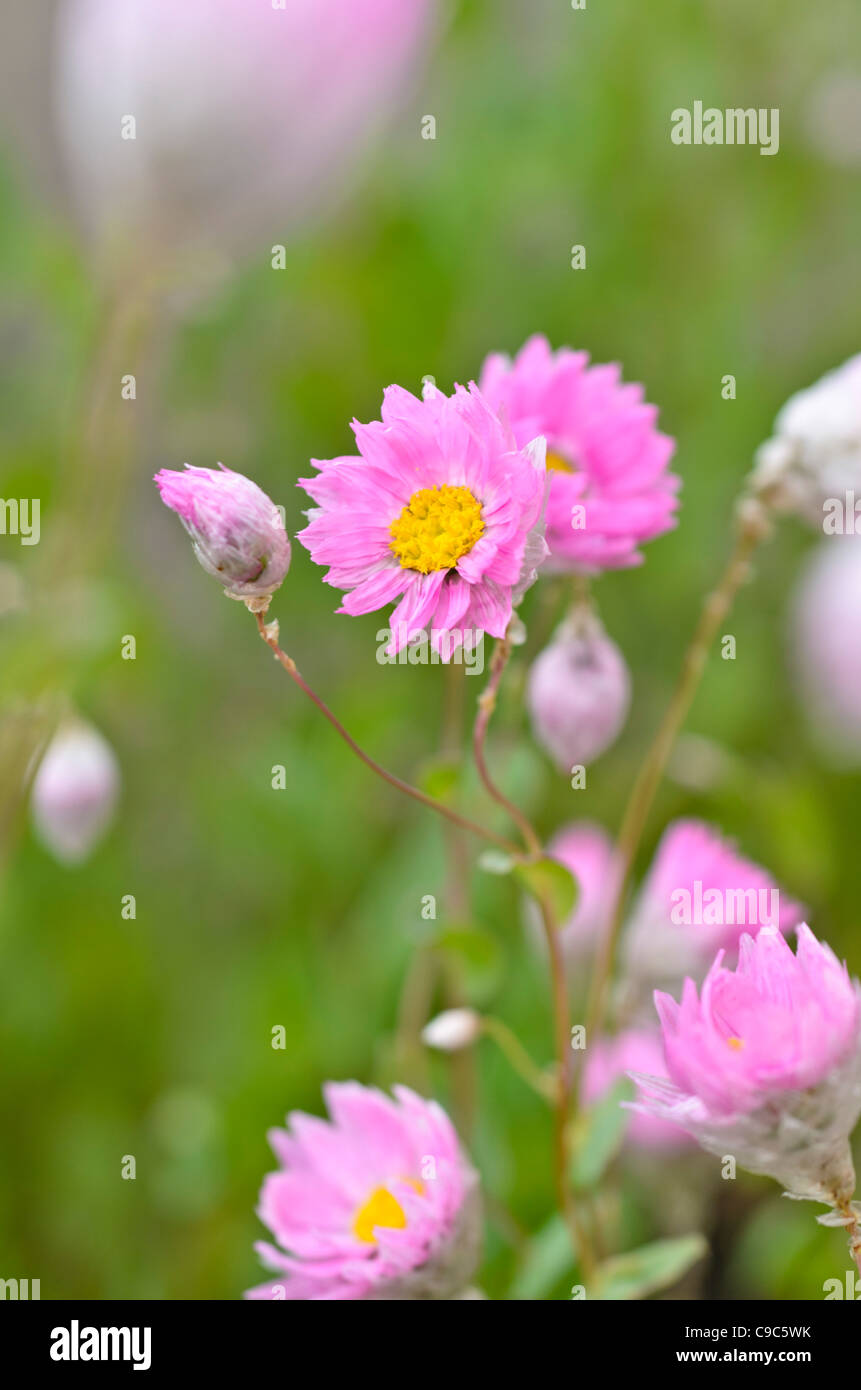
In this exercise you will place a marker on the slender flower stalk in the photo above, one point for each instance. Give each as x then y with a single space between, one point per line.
558 984
510 1045
753 526
269 633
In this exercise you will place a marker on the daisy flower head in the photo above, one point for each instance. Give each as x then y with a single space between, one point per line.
379 1203
610 490
441 513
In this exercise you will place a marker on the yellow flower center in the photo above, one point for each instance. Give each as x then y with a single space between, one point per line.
437 527
557 464
735 1043
382 1209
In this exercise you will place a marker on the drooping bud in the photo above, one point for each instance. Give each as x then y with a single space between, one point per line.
578 695
237 531
74 792
452 1030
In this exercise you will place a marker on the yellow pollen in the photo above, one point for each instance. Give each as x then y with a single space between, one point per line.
437 527
382 1209
557 464
735 1043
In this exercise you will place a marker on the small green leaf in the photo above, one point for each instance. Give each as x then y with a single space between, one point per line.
599 1135
549 881
548 1259
649 1269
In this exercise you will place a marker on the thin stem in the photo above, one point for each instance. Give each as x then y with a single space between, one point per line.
486 706
269 633
753 526
514 1051
558 983
850 1210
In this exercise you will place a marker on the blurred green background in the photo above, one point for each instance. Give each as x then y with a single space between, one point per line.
301 907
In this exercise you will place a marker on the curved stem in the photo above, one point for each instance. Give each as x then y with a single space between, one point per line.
558 983
853 1228
269 633
510 1045
753 526
486 706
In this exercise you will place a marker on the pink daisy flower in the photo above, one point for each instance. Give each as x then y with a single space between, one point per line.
378 1203
700 895
441 513
610 489
765 1063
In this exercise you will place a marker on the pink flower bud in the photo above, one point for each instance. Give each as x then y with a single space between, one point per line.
765 1064
578 695
238 534
587 850
74 792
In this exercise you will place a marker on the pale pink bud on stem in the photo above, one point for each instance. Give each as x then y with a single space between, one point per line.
74 792
452 1030
237 531
579 693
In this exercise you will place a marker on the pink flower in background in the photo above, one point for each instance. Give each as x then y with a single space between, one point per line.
814 456
700 895
587 850
610 489
238 534
765 1063
578 695
378 1203
75 792
609 1060
441 513
249 118
826 642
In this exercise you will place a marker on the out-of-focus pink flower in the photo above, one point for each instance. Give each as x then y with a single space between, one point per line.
238 534
578 695
610 489
609 1060
587 850
814 456
248 117
700 895
378 1203
74 792
826 641
441 513
765 1064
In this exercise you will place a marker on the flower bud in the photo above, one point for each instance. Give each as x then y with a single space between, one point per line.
452 1030
74 792
238 534
578 695
815 453
765 1064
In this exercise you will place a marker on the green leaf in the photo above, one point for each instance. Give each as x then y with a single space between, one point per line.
549 881
548 1259
599 1135
649 1269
